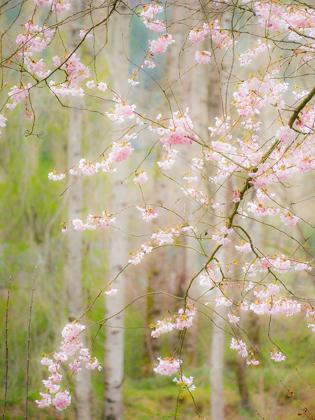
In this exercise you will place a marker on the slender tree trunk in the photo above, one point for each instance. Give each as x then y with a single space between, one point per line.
73 267
217 366
241 368
118 244
157 281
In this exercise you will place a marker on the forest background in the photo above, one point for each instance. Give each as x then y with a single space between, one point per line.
33 246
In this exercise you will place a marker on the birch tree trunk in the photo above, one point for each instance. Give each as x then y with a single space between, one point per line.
218 88
118 243
73 266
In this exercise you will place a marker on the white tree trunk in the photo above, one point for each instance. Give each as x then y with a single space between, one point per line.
118 244
217 366
73 267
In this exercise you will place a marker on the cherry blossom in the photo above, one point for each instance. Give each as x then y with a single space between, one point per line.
239 346
245 247
203 57
160 46
147 214
141 178
277 356
62 400
167 366
111 292
186 382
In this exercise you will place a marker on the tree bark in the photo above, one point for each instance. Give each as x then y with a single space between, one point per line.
73 266
118 244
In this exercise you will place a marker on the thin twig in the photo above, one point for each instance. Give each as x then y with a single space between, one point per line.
29 348
6 352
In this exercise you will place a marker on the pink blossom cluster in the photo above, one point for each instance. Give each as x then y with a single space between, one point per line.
310 315
100 86
168 161
270 290
223 301
163 237
277 356
84 33
199 34
120 151
208 278
167 366
38 68
92 222
147 15
297 21
196 195
239 346
203 57
35 39
233 319
258 91
247 57
259 209
3 120
140 178
282 306
56 176
288 218
122 111
180 321
18 94
223 239
220 36
245 247
58 6
160 45
69 347
138 256
76 73
179 131
147 214
282 264
185 382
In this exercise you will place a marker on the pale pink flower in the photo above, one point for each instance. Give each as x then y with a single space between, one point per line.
50 386
186 382
62 400
90 84
141 178
120 151
245 247
46 362
203 57
233 319
72 330
147 214
160 46
83 32
288 218
277 356
167 366
239 346
56 176
45 401
111 292
223 301
75 365
102 86
163 238
162 327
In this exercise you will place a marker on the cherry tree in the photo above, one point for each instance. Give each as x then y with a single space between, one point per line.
231 181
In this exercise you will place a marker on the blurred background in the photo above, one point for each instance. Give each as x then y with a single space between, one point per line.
32 245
